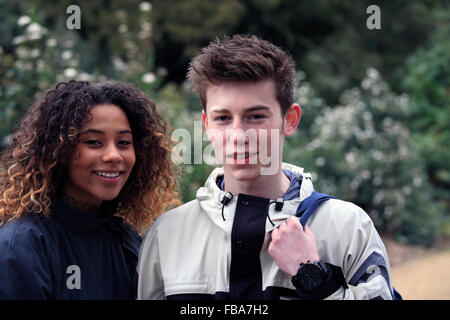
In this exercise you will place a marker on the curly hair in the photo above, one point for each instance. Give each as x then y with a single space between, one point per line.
33 167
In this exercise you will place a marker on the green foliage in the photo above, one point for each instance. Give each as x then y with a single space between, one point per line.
115 35
328 39
182 26
427 81
38 56
362 151
182 109
25 71
362 140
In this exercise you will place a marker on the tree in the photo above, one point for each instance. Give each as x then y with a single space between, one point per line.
40 51
329 40
427 80
361 151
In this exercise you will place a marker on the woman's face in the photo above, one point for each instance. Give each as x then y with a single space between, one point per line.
101 163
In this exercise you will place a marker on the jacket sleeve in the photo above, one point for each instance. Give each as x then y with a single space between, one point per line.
24 269
150 281
358 250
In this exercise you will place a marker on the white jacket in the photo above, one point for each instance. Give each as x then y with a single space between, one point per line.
192 252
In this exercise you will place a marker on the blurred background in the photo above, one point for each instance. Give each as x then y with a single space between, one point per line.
376 103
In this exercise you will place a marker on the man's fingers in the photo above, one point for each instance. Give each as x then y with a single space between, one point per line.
289 225
274 233
308 232
294 223
307 229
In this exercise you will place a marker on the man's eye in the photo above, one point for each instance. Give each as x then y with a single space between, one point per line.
257 116
221 118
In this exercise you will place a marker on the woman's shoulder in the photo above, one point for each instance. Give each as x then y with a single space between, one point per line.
27 229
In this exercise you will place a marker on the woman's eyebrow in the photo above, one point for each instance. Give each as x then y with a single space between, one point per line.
101 132
92 131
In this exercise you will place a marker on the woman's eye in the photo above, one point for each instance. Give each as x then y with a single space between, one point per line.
125 142
92 142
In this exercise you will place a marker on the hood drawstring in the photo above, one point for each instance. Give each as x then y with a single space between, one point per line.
279 203
225 200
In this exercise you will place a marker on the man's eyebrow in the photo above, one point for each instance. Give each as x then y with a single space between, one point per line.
219 110
101 132
249 109
257 108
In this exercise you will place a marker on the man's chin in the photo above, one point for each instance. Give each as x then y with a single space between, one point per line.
245 172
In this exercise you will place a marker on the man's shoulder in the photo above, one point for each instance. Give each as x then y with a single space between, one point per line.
179 213
342 212
174 222
344 205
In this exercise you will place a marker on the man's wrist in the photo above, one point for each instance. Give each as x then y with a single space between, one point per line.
333 279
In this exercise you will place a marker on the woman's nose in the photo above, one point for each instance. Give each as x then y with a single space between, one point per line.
111 154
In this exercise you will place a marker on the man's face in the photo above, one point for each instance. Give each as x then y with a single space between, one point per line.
246 128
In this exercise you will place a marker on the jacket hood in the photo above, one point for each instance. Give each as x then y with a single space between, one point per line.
210 196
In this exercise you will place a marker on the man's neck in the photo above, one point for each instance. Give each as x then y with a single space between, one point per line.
269 187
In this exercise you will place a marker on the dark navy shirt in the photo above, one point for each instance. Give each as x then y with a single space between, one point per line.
69 255
291 193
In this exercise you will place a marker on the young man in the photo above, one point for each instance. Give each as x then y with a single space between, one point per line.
240 238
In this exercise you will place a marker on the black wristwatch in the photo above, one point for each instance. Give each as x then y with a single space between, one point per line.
310 275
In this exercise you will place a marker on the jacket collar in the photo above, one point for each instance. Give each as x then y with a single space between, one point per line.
80 221
210 196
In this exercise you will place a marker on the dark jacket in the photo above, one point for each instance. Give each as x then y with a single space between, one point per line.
69 255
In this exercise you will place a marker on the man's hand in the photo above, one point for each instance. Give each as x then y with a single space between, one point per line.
291 245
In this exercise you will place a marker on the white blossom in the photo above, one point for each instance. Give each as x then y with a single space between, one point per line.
66 54
35 31
148 77
70 72
145 6
23 20
51 42
320 161
123 28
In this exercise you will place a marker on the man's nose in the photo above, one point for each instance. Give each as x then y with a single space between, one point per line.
237 134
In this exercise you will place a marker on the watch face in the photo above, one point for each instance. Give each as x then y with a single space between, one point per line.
309 277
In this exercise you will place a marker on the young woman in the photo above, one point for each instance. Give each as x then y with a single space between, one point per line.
87 169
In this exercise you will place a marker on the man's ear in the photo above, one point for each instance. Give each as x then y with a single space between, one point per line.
292 119
205 119
205 122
